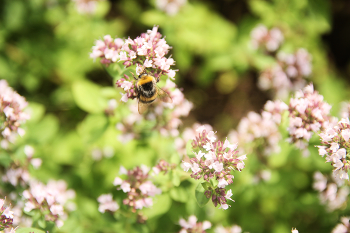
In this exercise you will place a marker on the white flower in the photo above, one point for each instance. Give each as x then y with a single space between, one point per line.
125 186
186 166
222 183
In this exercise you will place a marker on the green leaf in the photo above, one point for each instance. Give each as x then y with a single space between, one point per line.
202 200
175 158
175 178
189 149
5 159
179 194
36 111
161 205
42 223
88 97
45 129
213 182
93 127
28 229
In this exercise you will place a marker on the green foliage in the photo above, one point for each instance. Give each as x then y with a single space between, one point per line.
201 198
44 55
29 229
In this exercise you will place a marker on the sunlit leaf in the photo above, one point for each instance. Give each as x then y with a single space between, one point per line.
202 200
88 96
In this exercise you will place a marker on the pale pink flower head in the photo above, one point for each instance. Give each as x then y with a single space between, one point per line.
332 191
232 229
86 6
106 203
345 110
308 114
7 216
288 75
192 226
147 51
53 199
171 7
335 144
267 39
214 160
12 112
260 131
342 227
139 187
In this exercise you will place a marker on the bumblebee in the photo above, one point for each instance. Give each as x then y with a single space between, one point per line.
148 91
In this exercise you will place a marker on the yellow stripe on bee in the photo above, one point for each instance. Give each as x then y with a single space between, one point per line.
145 79
146 100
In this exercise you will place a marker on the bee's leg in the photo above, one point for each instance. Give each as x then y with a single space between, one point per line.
133 75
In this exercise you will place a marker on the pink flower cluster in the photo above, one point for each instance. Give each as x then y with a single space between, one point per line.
11 114
86 6
171 7
269 39
188 134
261 128
232 229
288 75
345 110
331 195
50 199
15 176
128 87
163 166
296 65
107 203
308 114
18 174
6 217
335 140
342 227
138 187
192 226
146 51
216 162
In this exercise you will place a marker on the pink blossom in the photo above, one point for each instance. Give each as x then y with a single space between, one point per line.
342 227
308 114
333 194
260 128
138 187
51 199
107 203
262 37
12 110
192 226
216 163
335 147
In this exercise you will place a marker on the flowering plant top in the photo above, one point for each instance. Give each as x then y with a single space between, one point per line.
214 165
336 146
147 51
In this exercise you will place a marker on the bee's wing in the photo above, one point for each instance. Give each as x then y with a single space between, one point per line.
163 96
142 107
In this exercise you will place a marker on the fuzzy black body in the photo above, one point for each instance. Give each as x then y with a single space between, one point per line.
147 89
148 92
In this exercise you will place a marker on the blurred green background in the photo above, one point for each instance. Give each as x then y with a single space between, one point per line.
44 55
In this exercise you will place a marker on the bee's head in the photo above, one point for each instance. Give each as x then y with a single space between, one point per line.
143 75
